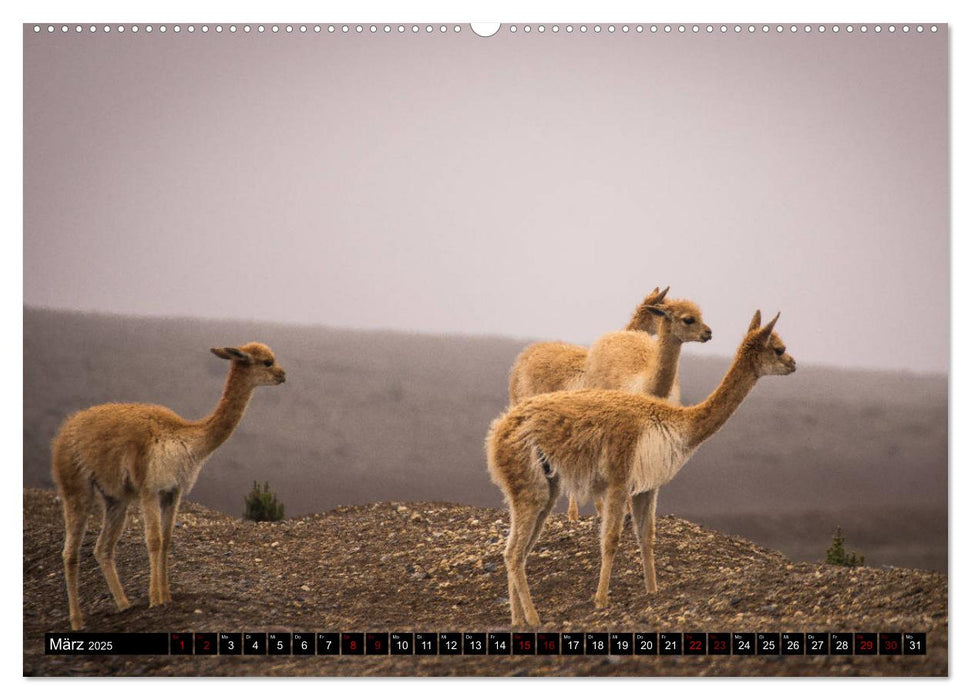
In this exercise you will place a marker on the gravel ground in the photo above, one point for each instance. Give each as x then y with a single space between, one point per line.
436 567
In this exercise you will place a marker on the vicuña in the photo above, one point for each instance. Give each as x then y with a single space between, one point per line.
609 443
119 453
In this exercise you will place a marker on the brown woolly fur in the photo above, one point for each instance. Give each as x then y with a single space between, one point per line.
117 453
545 367
609 443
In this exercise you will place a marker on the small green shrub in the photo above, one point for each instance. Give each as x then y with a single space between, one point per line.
261 504
836 554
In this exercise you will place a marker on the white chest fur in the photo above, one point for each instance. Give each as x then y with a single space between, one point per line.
173 465
660 455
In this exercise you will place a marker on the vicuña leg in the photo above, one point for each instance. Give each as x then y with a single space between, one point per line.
152 515
75 523
515 605
598 504
644 510
104 550
610 528
169 503
522 522
537 527
554 486
573 512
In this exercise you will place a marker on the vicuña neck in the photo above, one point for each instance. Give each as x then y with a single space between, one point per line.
220 424
711 414
666 363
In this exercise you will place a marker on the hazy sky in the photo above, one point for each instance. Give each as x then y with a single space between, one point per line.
530 185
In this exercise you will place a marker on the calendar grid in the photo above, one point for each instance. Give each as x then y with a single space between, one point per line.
488 643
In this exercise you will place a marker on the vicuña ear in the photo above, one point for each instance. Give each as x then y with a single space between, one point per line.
658 311
766 332
656 295
756 322
231 354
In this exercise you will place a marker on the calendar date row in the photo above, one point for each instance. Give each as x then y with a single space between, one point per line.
490 643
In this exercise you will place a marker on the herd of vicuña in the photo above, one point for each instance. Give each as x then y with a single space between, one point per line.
604 423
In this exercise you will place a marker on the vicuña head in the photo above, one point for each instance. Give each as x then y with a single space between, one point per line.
765 349
256 362
610 444
117 453
681 318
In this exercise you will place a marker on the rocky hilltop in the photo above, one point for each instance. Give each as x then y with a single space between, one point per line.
436 567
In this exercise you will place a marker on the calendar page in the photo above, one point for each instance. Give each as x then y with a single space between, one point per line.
543 349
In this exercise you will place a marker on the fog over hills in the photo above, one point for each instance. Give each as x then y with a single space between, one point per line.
371 416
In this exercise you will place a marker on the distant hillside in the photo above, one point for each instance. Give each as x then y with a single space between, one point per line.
382 416
420 567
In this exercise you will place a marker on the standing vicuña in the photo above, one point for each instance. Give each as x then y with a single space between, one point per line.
123 452
610 443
